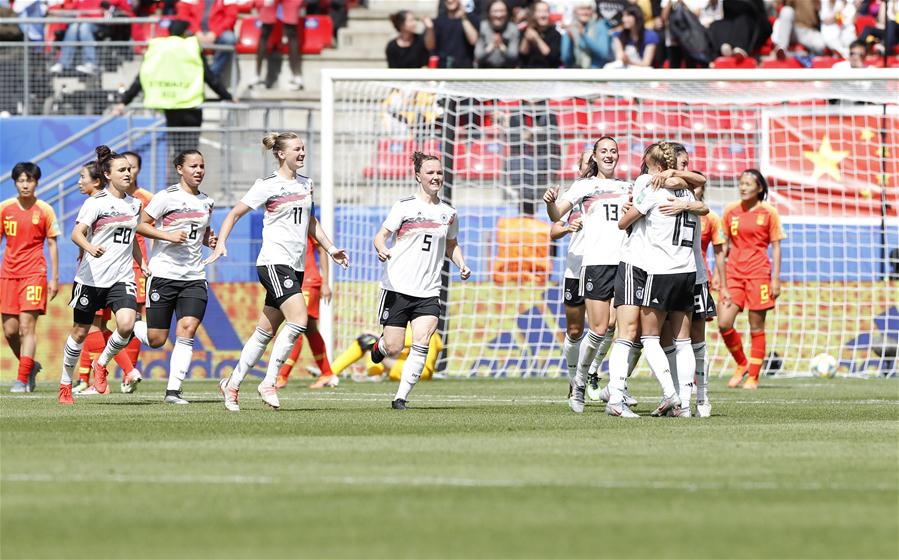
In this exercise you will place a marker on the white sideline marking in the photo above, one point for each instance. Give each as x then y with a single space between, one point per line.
426 481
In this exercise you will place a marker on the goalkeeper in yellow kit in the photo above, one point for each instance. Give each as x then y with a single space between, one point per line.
393 368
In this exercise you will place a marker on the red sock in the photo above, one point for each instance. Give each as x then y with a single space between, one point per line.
122 358
93 345
319 352
734 343
132 351
25 366
756 353
287 367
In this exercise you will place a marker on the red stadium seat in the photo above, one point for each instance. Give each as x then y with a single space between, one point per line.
699 156
479 160
893 62
669 122
571 115
728 159
787 62
392 159
318 34
711 122
825 61
610 120
874 61
861 22
571 154
731 62
248 37
631 155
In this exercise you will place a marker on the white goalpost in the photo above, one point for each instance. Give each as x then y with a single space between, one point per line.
827 141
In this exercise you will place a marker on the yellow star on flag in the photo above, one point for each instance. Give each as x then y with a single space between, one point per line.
826 160
867 134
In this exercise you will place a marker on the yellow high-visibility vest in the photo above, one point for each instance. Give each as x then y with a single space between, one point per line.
172 73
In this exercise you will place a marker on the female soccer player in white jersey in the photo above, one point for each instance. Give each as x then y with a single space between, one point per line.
104 230
601 198
177 284
660 276
287 197
423 229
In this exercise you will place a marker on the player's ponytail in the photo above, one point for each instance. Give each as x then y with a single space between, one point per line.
277 141
105 157
669 157
759 180
418 158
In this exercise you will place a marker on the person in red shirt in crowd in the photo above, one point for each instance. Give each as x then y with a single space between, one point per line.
315 288
222 19
24 289
99 333
86 32
290 16
750 225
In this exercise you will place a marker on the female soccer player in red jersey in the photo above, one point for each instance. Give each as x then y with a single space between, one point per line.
24 289
750 225
315 289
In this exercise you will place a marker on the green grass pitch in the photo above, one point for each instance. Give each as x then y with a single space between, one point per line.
478 468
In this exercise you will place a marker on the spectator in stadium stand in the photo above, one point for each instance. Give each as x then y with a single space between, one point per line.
452 36
634 45
586 42
498 41
288 12
222 19
611 11
743 29
541 43
408 49
838 25
856 59
707 11
887 29
171 77
798 20
29 9
86 32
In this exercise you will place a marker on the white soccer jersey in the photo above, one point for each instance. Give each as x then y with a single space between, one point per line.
175 209
601 201
575 246
701 275
111 223
668 240
288 208
416 259
632 248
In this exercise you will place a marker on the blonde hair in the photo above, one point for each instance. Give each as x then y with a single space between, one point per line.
662 154
277 141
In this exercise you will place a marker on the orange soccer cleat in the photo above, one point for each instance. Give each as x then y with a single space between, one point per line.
751 383
737 378
100 374
65 394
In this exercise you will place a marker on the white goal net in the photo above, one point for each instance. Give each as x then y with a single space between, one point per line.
828 145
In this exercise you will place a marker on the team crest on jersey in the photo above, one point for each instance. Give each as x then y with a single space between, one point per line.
385 315
154 296
568 295
589 286
83 301
35 217
760 220
639 293
288 283
444 219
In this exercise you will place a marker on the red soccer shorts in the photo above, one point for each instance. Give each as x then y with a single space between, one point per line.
751 293
23 294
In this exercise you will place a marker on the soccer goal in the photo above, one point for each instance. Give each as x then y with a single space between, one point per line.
827 141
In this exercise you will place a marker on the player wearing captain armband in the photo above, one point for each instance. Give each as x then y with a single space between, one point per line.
601 198
752 280
659 278
289 220
424 230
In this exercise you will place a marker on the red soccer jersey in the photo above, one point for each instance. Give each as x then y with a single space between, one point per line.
312 278
750 232
144 196
711 235
25 231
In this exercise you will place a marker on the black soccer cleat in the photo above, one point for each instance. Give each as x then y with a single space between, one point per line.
366 341
376 355
398 404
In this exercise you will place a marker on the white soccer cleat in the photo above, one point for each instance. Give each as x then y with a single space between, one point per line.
620 411
230 396
605 394
129 383
576 397
629 400
593 391
269 395
174 397
704 409
666 404
679 412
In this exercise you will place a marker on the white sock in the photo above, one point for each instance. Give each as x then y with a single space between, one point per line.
633 357
672 364
140 332
618 370
585 357
283 344
70 357
114 345
252 351
570 350
604 346
702 379
658 363
686 362
179 362
415 363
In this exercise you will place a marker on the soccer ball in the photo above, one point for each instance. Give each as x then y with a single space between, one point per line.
823 365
